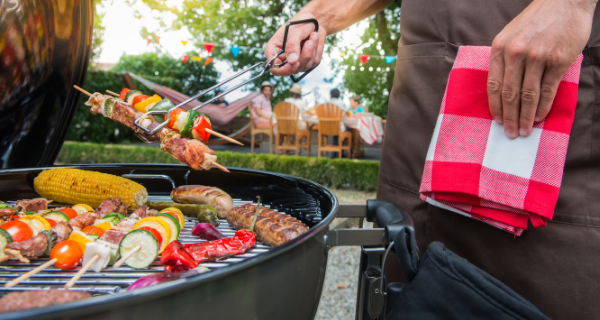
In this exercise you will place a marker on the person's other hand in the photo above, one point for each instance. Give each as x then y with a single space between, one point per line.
529 58
298 61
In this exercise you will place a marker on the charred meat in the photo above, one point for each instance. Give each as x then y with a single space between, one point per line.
18 301
36 204
109 205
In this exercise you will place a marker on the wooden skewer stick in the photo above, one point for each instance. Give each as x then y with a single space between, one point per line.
28 275
220 167
82 91
81 271
112 93
224 137
127 256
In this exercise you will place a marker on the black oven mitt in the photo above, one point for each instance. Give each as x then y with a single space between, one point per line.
442 285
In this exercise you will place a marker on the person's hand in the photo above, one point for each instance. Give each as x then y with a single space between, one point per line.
298 61
529 58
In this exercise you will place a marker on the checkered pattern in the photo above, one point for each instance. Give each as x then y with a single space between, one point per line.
474 169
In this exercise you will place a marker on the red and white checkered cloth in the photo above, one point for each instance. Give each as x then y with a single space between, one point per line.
474 169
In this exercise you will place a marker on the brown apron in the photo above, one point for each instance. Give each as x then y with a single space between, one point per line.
556 267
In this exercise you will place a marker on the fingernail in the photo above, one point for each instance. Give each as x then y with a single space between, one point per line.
314 36
499 120
537 119
523 132
509 133
293 57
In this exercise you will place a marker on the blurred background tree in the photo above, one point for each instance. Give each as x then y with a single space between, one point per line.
252 23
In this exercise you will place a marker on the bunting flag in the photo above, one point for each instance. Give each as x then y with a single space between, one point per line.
364 58
148 40
197 58
157 39
209 46
389 59
235 50
207 61
185 58
184 42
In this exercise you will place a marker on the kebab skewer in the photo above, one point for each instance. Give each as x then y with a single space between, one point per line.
191 152
201 125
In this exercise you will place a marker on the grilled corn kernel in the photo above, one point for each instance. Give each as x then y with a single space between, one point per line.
88 187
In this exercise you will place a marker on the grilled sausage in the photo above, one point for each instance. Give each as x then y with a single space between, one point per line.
267 230
215 197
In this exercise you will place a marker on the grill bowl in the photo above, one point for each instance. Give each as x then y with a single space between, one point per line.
282 283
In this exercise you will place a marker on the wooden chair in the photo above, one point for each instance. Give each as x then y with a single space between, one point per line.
288 137
254 131
330 119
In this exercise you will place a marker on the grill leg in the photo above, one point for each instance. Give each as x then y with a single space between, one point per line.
370 302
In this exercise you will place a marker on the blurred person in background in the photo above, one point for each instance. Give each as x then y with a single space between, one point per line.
221 101
261 106
335 99
296 99
356 106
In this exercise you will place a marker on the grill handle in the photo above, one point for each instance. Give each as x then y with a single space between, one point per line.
389 216
151 177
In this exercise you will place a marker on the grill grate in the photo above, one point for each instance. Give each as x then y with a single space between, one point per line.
111 280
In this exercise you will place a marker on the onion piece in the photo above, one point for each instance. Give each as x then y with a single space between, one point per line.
207 231
158 278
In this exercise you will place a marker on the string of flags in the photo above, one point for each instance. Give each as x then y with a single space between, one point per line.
235 50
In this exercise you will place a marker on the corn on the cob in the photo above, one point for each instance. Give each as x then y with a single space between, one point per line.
89 187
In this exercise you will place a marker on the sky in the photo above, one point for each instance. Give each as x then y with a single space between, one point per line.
122 36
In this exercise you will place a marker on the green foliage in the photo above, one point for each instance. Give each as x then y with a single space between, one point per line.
187 78
98 33
95 128
228 22
334 173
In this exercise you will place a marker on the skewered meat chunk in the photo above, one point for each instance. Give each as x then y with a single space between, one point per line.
126 224
143 212
6 214
213 196
113 236
25 300
267 230
83 220
36 204
31 248
109 205
62 231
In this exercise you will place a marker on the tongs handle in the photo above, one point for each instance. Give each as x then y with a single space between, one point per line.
285 35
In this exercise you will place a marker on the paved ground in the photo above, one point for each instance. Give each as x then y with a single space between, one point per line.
338 300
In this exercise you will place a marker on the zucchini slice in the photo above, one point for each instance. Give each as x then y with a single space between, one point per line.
57 216
131 94
6 235
173 225
143 257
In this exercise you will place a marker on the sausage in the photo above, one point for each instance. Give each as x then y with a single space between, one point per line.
267 230
213 196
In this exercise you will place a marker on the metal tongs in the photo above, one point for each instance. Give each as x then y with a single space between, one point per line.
266 66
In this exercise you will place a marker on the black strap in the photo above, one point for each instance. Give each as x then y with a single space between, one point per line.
406 249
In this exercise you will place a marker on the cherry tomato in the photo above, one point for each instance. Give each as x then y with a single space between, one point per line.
155 233
138 98
173 118
51 222
93 230
18 230
124 93
71 213
67 254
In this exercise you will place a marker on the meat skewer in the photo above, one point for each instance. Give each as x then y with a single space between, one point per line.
120 262
220 135
191 152
27 275
81 271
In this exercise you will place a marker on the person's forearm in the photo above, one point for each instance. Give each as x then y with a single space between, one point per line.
337 15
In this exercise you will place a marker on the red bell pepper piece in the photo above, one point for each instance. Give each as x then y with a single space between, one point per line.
200 125
124 93
175 258
220 249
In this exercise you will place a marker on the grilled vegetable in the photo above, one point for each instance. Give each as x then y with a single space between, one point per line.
215 250
5 234
81 239
81 186
174 117
173 225
18 230
71 213
159 278
100 249
175 258
124 93
155 233
207 231
57 216
114 250
130 95
68 253
89 230
36 223
82 208
162 105
102 224
113 217
51 241
199 132
175 213
138 99
186 130
4 240
208 214
143 257
158 224
146 105
5 205
193 210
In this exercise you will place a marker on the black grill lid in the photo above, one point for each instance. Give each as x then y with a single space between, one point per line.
44 51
